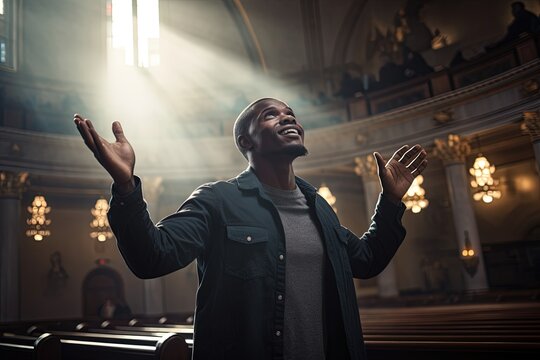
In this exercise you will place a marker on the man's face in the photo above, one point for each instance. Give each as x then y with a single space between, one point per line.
275 131
516 9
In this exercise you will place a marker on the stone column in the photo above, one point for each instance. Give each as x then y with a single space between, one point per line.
367 169
12 186
153 288
452 151
531 126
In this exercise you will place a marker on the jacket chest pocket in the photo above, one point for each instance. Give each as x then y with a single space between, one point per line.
247 252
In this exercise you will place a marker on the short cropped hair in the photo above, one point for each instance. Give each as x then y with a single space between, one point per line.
243 121
519 4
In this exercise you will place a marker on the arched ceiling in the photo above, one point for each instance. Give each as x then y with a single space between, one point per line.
285 35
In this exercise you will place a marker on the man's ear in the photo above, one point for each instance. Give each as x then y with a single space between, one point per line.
244 142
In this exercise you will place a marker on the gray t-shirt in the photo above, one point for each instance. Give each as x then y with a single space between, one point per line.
303 329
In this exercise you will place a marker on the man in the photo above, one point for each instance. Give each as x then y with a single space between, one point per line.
275 266
525 22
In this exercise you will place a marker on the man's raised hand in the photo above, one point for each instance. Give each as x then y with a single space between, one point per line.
117 158
398 173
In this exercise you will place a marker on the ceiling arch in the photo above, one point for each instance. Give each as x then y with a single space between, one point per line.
245 28
346 32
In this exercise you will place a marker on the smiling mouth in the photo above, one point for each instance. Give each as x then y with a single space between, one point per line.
290 132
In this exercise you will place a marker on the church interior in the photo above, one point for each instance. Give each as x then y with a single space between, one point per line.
460 78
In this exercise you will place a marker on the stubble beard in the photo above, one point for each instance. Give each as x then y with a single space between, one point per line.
296 150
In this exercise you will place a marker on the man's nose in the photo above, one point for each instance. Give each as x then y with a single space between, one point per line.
288 119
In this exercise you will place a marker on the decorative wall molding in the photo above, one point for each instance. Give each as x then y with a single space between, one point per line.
13 184
452 150
443 116
531 124
366 167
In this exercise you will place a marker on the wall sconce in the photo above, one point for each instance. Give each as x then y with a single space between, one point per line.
38 221
325 192
469 257
100 224
414 199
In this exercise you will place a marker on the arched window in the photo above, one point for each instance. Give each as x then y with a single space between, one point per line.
133 32
8 34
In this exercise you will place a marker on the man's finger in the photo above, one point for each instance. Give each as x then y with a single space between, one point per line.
85 134
380 162
118 132
77 116
420 168
417 161
410 154
98 140
398 154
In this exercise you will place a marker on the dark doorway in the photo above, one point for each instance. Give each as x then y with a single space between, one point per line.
99 285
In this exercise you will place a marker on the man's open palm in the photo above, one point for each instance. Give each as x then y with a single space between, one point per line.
117 158
398 173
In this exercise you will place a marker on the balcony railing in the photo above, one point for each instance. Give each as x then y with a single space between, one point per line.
490 64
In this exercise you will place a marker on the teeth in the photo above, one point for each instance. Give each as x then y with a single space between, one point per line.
290 131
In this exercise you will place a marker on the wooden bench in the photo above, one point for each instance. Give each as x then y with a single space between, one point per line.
467 331
389 349
99 345
42 347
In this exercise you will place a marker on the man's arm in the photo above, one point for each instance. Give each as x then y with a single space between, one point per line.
149 250
371 253
155 250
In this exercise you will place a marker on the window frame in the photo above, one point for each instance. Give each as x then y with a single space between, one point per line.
11 18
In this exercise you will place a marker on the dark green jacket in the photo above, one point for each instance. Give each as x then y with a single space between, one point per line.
234 231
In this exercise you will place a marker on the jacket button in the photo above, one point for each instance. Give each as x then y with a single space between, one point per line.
278 333
281 257
248 238
280 297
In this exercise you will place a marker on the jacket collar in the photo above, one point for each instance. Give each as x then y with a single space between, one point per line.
247 180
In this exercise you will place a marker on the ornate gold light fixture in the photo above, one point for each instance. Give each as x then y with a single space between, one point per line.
325 192
415 198
100 224
483 184
38 221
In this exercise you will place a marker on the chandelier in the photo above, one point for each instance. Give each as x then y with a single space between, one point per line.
100 224
483 184
414 199
325 192
38 221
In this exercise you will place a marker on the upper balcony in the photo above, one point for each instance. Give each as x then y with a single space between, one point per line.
404 95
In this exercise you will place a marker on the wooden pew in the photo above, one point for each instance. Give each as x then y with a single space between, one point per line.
42 347
390 342
99 345
467 331
390 349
